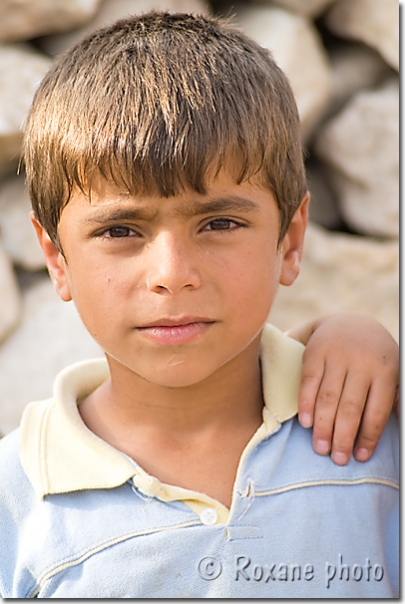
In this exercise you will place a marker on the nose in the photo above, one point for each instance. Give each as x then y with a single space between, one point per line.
171 265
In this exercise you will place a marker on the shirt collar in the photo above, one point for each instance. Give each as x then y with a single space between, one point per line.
60 454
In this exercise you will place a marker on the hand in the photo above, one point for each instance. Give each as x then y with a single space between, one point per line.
349 383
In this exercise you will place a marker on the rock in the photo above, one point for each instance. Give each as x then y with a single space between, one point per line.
50 337
371 21
342 272
10 307
354 67
323 208
361 146
297 49
21 70
306 8
110 11
19 238
24 19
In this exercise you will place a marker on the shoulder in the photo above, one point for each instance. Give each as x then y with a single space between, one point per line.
10 466
385 460
17 499
9 445
301 465
15 488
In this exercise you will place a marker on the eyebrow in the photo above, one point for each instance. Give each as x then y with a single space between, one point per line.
194 208
105 216
226 204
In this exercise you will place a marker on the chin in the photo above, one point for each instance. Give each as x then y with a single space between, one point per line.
177 372
176 379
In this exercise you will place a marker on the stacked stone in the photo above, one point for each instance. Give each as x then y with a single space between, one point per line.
341 57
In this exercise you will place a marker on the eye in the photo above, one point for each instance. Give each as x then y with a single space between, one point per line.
119 232
222 224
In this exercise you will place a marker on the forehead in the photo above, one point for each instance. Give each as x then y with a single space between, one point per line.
107 201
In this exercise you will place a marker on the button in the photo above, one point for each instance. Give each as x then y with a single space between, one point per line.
208 516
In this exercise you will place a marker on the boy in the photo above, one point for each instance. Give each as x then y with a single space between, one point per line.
166 174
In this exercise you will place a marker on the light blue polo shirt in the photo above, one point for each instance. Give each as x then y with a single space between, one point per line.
79 519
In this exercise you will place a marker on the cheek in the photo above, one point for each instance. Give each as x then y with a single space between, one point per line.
250 280
104 277
98 293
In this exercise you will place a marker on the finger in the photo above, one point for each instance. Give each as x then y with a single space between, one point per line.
374 418
396 402
326 405
396 407
311 378
348 416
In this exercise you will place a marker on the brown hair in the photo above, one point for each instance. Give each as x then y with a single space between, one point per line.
154 102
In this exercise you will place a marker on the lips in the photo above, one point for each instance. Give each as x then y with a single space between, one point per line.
177 330
177 321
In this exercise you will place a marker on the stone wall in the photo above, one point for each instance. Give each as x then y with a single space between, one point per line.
342 60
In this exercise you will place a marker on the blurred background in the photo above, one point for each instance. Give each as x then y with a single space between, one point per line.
342 59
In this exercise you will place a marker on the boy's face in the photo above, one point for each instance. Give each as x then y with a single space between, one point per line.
174 288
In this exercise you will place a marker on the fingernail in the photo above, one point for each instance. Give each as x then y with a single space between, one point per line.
305 420
322 447
362 454
340 458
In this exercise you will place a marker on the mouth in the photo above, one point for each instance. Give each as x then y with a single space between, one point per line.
176 321
177 330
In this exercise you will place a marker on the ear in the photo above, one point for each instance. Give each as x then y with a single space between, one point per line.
55 261
292 244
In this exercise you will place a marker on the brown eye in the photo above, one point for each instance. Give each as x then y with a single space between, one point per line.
221 224
116 232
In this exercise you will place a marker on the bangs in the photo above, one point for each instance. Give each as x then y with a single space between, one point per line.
162 163
158 104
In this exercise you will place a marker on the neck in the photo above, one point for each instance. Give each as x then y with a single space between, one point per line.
192 436
127 402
